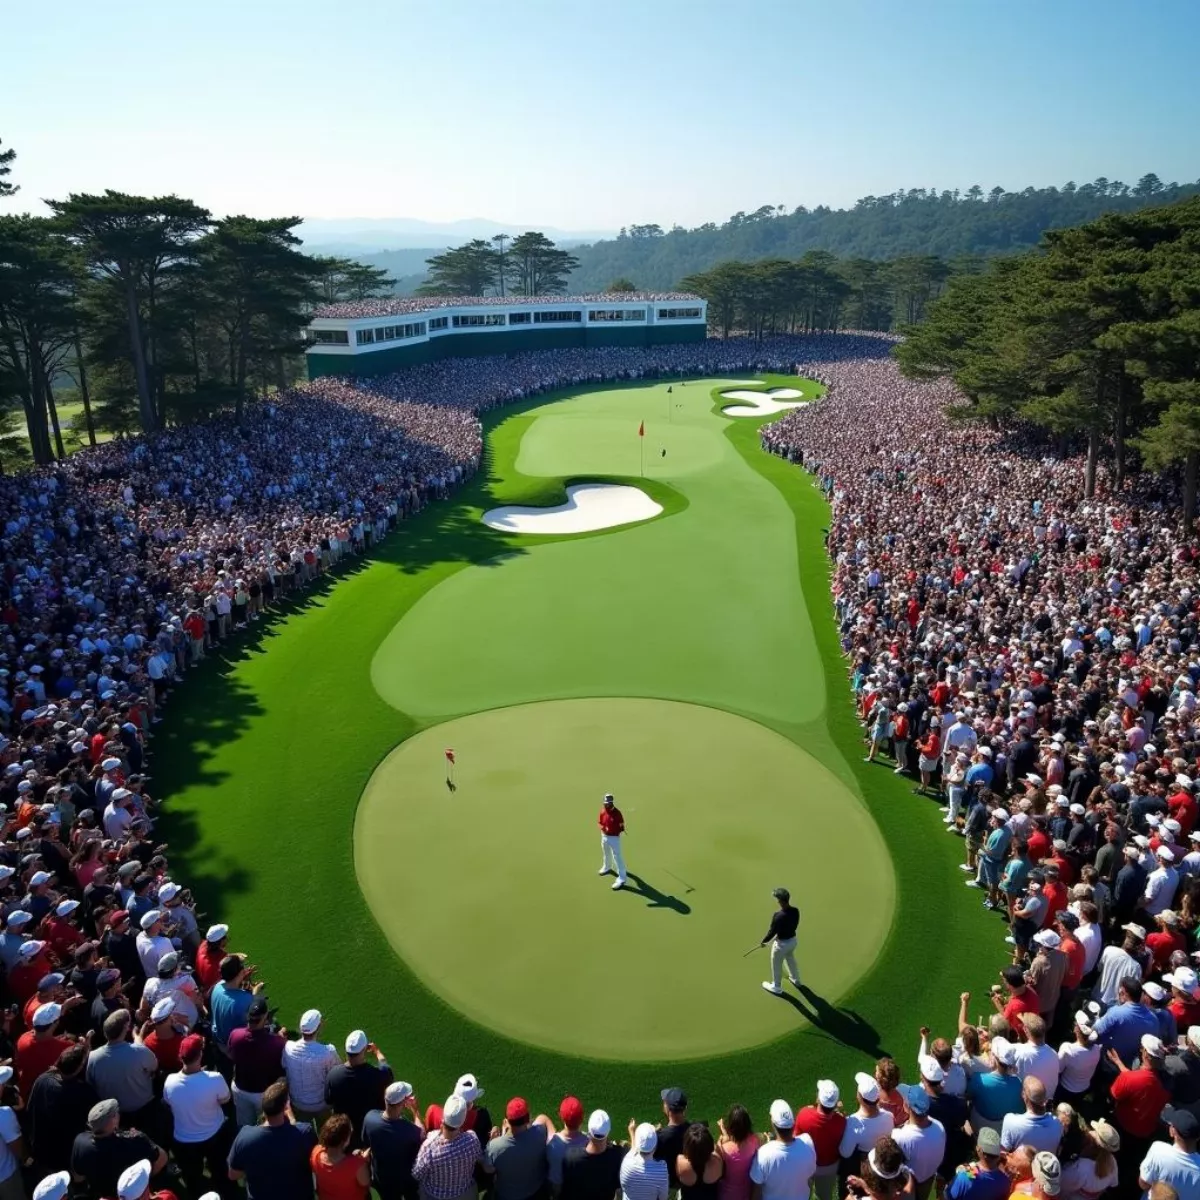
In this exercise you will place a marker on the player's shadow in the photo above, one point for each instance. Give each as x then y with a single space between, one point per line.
637 886
843 1025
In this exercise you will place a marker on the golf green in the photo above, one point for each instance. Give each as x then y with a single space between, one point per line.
718 810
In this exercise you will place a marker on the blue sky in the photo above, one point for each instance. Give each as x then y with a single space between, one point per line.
590 116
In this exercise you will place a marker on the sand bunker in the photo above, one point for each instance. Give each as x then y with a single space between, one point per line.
763 404
589 506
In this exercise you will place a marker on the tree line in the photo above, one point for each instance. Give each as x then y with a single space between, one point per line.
150 311
820 291
532 266
911 222
1095 335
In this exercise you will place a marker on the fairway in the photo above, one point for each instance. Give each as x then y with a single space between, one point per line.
704 605
718 809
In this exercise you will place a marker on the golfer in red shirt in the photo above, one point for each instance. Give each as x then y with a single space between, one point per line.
612 825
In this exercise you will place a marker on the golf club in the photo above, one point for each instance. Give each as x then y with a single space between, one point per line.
756 946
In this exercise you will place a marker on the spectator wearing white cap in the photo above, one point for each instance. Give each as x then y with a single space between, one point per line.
134 1182
210 955
38 1048
393 1135
865 1126
922 1139
1161 884
593 1171
272 1158
824 1125
448 1158
152 943
1139 1095
1155 997
306 1064
1047 970
478 1117
995 1093
1078 1059
785 1164
356 1087
170 981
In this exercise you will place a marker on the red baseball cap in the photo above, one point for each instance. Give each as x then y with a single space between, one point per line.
117 917
571 1111
517 1110
191 1045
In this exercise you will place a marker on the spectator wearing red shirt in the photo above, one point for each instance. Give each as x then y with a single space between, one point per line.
164 1037
824 1126
1055 892
1021 999
33 965
1185 997
1038 842
1182 805
1139 1095
209 956
1168 938
61 936
38 1048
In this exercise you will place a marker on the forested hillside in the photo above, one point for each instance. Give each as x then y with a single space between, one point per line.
915 222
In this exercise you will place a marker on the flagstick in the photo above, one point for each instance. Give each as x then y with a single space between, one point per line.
642 451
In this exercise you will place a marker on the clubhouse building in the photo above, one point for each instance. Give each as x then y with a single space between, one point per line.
373 337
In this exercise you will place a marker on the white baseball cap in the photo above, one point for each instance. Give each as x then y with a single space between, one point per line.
65 908
134 1180
868 1087
454 1112
782 1116
468 1088
162 1009
645 1137
216 933
53 1187
397 1092
356 1042
931 1069
310 1021
827 1093
46 1014
599 1124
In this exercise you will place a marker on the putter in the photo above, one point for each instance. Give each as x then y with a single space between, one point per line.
752 949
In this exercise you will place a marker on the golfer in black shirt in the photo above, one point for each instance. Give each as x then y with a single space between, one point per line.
782 936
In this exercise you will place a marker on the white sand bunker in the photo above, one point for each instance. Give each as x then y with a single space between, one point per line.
763 404
589 506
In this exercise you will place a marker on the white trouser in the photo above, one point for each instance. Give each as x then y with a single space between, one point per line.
784 952
247 1106
610 846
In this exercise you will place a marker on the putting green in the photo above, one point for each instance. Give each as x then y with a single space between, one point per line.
490 893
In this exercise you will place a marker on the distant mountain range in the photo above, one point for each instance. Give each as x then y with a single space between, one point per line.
366 235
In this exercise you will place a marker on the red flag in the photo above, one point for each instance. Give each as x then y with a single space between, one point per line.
450 756
642 429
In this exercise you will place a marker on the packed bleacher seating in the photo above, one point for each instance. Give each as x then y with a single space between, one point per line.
1027 655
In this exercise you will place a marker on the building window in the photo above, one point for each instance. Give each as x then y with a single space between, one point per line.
329 337
617 314
436 323
518 318
557 316
678 314
476 320
364 337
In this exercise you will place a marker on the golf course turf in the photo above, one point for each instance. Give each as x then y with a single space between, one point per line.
719 606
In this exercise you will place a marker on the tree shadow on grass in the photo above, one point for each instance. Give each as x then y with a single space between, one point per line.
655 898
842 1025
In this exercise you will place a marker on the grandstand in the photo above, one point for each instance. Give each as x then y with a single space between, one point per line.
370 338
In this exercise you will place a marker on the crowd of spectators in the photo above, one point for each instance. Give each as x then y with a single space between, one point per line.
1025 654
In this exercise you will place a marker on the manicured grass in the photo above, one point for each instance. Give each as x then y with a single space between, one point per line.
264 757
718 810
